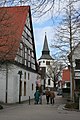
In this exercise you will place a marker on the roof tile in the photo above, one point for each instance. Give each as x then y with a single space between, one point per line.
12 21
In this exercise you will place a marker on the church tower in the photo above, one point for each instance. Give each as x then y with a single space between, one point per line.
45 51
44 62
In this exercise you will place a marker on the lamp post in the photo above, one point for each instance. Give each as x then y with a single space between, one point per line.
20 74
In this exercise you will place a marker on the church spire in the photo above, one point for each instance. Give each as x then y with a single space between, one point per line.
45 46
45 51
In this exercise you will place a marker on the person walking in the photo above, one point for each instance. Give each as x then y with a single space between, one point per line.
52 96
36 95
40 98
47 93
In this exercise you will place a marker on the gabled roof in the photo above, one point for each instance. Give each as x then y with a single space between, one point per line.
66 75
12 21
45 51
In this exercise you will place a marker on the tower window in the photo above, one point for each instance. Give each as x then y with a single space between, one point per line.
47 62
48 81
40 63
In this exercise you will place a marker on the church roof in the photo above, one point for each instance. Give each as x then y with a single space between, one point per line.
45 51
45 46
12 22
46 57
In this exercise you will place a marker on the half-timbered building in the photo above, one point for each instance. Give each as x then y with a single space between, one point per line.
18 66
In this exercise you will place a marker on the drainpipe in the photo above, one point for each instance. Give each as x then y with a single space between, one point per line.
6 82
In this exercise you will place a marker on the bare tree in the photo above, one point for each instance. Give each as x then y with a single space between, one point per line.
40 7
68 36
53 70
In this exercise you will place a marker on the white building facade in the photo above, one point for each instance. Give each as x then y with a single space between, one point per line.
18 71
9 84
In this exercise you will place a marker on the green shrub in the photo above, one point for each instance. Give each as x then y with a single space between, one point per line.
72 105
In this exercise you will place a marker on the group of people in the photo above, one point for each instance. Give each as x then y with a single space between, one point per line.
50 95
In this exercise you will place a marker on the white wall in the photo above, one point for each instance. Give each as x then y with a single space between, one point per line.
2 84
43 64
13 84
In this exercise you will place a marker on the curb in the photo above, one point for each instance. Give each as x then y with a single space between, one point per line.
68 109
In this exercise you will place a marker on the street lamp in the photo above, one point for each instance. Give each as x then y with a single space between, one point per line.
20 74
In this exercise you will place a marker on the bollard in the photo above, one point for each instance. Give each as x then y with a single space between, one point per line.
29 100
79 102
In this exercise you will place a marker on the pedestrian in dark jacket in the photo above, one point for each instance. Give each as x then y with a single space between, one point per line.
37 95
40 98
47 93
52 96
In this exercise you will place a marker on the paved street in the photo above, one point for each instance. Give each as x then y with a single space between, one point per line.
38 112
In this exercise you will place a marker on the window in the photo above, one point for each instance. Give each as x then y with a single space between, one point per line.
32 86
23 55
24 75
24 88
43 71
43 61
77 61
48 81
68 84
21 88
47 62
28 76
39 63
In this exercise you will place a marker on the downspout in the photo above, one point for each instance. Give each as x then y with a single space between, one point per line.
6 83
